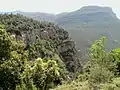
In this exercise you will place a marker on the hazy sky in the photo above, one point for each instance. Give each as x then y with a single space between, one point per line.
55 6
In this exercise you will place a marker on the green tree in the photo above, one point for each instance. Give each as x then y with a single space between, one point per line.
41 48
102 66
13 60
115 53
26 79
17 72
45 73
5 44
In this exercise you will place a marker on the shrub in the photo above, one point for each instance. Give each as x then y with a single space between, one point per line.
114 85
74 85
99 75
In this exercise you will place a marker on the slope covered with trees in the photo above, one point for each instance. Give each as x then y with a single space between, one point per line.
43 39
100 73
41 56
18 72
34 55
86 25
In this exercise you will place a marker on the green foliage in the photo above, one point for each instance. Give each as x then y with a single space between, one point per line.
26 79
99 75
102 65
13 61
83 77
46 50
115 53
98 53
24 86
97 50
5 44
41 48
100 56
45 73
74 85
99 70
43 39
114 85
39 67
18 73
40 75
18 22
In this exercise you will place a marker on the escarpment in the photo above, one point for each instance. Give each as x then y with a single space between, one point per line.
30 31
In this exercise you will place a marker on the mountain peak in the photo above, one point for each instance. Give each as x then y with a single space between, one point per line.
94 9
88 14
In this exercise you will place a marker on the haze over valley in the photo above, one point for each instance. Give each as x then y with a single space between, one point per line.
84 25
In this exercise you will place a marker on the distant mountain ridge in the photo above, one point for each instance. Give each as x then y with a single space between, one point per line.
90 23
87 14
85 25
55 18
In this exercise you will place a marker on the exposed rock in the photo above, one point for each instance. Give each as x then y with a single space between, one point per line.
69 54
30 30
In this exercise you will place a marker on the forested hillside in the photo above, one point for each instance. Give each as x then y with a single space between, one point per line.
37 55
86 25
32 31
102 72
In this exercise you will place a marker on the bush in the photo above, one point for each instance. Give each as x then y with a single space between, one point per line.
74 85
114 85
99 75
13 60
17 72
45 74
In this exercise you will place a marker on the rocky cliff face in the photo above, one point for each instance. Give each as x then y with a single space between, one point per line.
66 47
69 53
30 30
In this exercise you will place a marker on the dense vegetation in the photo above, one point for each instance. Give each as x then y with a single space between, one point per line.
17 72
100 73
34 55
30 59
43 39
86 25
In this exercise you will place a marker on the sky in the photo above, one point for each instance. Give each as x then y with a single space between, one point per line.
55 6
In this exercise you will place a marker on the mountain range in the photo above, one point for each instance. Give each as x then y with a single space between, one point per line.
85 25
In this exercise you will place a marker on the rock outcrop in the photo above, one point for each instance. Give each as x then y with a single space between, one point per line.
30 30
